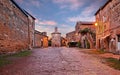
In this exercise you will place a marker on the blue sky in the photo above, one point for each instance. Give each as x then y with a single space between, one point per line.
61 13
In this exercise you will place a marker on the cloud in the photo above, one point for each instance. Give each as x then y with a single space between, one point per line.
71 4
47 29
64 25
19 1
81 18
87 14
35 3
64 28
45 22
92 8
29 3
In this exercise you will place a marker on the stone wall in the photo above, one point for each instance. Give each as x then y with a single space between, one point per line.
71 36
31 29
108 19
75 35
63 41
82 25
38 39
45 41
56 38
41 40
13 27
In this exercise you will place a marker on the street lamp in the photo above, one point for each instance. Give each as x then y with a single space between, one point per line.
96 24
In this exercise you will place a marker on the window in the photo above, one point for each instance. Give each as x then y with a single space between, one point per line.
118 38
104 18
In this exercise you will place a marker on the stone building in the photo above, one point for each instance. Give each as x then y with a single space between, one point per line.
71 36
31 29
44 39
63 41
41 39
108 26
37 39
56 38
84 26
76 36
16 27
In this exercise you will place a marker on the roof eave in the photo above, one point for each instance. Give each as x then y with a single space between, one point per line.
102 7
18 7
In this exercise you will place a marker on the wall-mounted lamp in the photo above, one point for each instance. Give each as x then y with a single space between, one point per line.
96 24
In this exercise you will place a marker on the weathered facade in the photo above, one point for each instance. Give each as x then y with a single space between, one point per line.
37 39
41 39
31 29
76 36
56 38
63 41
86 37
45 41
71 36
108 26
82 25
14 27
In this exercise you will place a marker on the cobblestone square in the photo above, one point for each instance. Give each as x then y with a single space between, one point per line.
58 61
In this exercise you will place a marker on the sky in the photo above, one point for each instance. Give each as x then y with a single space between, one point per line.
60 13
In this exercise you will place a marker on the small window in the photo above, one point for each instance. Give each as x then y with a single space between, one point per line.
104 18
118 38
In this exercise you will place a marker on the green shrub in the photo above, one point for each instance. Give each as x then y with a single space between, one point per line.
4 61
88 44
22 53
4 58
79 44
115 63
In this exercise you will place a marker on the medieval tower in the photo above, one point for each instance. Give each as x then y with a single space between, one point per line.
56 38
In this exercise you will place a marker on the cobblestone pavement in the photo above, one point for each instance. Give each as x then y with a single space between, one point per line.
58 61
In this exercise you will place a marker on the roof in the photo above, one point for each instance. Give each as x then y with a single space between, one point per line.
84 23
22 10
40 33
18 7
70 32
28 14
102 6
37 32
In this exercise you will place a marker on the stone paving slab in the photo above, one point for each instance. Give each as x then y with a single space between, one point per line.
58 61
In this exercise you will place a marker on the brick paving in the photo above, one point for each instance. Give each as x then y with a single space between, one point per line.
58 61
